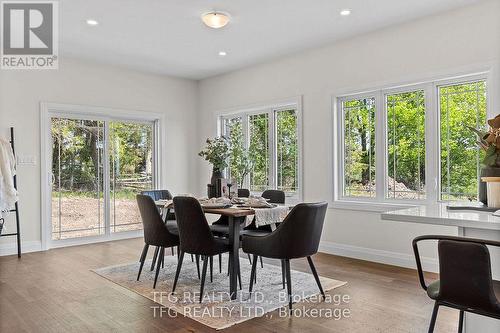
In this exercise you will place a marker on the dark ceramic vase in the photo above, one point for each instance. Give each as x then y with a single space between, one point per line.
216 174
486 172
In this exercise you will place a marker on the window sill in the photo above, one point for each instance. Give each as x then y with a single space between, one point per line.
368 206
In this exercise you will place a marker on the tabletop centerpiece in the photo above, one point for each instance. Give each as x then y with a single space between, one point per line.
216 152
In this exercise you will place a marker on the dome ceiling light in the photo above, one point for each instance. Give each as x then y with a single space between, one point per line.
215 20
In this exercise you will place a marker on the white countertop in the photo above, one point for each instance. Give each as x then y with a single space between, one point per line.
439 214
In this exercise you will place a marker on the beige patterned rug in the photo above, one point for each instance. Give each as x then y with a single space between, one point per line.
217 310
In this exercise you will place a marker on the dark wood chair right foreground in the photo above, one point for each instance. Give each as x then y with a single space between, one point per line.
465 281
297 237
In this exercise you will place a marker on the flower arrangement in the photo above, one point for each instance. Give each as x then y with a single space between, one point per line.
217 152
489 141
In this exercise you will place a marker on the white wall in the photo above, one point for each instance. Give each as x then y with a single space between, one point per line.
85 83
456 42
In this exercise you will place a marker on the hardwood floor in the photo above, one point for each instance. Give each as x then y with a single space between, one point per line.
55 291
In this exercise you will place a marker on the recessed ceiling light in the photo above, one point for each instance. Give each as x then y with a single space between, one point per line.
222 53
345 12
215 20
92 22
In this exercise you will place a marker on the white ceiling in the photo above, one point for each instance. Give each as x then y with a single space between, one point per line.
168 37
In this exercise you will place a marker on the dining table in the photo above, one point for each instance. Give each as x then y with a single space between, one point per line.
236 217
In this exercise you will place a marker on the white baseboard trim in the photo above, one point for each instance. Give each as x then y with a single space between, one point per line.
10 248
380 256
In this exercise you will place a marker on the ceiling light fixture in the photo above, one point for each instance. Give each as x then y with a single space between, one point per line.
215 20
222 53
345 12
92 22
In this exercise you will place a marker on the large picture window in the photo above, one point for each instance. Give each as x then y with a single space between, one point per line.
386 152
266 149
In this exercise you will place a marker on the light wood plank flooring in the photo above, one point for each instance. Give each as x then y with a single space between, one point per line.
55 291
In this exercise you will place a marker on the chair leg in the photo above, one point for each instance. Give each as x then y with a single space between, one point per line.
252 274
261 263
249 259
239 277
155 255
192 259
178 270
461 322
172 249
316 277
288 283
203 276
197 264
143 259
220 263
178 253
161 255
211 269
433 318
283 272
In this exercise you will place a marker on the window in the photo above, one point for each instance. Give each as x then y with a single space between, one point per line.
460 106
406 145
359 147
266 150
287 154
387 152
98 166
259 151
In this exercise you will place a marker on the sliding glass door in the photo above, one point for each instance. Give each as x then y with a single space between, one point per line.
98 166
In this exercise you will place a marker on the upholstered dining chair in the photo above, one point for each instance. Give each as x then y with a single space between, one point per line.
243 193
156 232
275 197
297 237
196 237
170 218
465 280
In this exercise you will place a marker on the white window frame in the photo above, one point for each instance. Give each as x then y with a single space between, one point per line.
432 142
70 111
270 109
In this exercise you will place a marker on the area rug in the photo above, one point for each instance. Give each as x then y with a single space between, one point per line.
217 310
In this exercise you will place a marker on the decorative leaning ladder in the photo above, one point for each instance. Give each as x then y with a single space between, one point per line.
16 207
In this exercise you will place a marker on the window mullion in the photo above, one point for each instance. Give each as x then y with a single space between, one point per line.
107 180
246 143
431 143
271 136
380 147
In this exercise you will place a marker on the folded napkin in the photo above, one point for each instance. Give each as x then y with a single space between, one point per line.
266 216
258 202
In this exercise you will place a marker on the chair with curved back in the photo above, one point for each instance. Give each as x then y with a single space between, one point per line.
274 197
196 237
243 193
156 232
170 218
465 279
297 237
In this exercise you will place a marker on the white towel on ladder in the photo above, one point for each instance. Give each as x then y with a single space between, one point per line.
8 194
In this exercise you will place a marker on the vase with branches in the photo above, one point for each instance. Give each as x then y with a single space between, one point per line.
216 152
